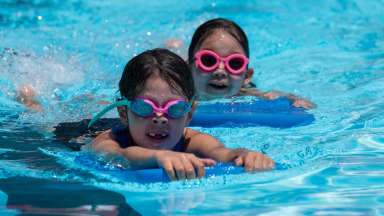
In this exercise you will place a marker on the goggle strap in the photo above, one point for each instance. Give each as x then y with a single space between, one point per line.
107 109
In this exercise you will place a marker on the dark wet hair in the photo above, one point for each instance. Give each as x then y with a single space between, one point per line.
168 65
210 26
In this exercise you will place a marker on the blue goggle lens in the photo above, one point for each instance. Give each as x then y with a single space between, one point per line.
143 109
178 110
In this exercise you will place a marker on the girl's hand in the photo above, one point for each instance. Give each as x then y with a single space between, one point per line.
26 94
296 100
253 160
272 95
306 104
180 166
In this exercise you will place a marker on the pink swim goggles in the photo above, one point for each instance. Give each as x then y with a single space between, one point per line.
146 107
208 61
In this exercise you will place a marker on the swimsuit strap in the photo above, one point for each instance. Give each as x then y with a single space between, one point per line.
250 85
180 146
122 136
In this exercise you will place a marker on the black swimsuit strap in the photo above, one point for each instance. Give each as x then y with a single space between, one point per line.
121 135
250 85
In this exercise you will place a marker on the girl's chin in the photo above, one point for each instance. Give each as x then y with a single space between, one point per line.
216 93
158 145
212 96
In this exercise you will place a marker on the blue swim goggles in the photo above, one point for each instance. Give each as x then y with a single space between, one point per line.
146 107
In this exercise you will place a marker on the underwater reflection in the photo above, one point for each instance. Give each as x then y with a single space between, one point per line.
47 197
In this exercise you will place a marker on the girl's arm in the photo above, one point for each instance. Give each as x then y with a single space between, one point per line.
205 145
177 165
271 95
296 100
137 157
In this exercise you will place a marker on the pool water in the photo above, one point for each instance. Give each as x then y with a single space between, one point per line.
73 53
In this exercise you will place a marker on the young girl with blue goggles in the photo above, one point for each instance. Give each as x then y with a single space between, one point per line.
156 105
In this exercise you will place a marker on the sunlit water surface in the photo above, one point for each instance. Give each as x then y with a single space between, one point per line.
73 53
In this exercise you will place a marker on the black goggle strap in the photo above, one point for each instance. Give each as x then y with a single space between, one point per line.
123 102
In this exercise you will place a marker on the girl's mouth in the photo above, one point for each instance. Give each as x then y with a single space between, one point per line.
160 135
218 85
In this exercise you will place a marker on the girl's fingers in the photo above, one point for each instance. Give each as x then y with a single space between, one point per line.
239 161
263 163
272 95
207 161
269 164
199 168
258 163
249 162
303 103
189 169
272 164
170 171
179 168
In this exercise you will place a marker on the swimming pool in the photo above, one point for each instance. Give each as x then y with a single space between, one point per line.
73 53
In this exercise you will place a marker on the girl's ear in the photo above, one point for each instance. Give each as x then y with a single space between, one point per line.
122 110
248 76
190 113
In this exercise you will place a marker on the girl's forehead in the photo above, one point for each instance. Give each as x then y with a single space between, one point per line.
221 40
159 90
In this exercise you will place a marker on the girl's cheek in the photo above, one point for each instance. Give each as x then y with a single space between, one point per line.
238 77
178 124
136 121
236 83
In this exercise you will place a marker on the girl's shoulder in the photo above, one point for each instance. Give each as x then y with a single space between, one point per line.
194 138
192 135
117 134
106 144
102 139
250 90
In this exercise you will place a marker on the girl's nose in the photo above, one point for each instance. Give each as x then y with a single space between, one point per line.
221 65
159 119
220 73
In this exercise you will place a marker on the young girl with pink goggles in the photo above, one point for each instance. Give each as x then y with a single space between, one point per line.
218 57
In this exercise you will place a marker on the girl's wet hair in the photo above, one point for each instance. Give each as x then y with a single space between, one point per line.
168 66
209 27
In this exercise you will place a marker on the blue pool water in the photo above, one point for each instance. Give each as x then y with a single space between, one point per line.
73 52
